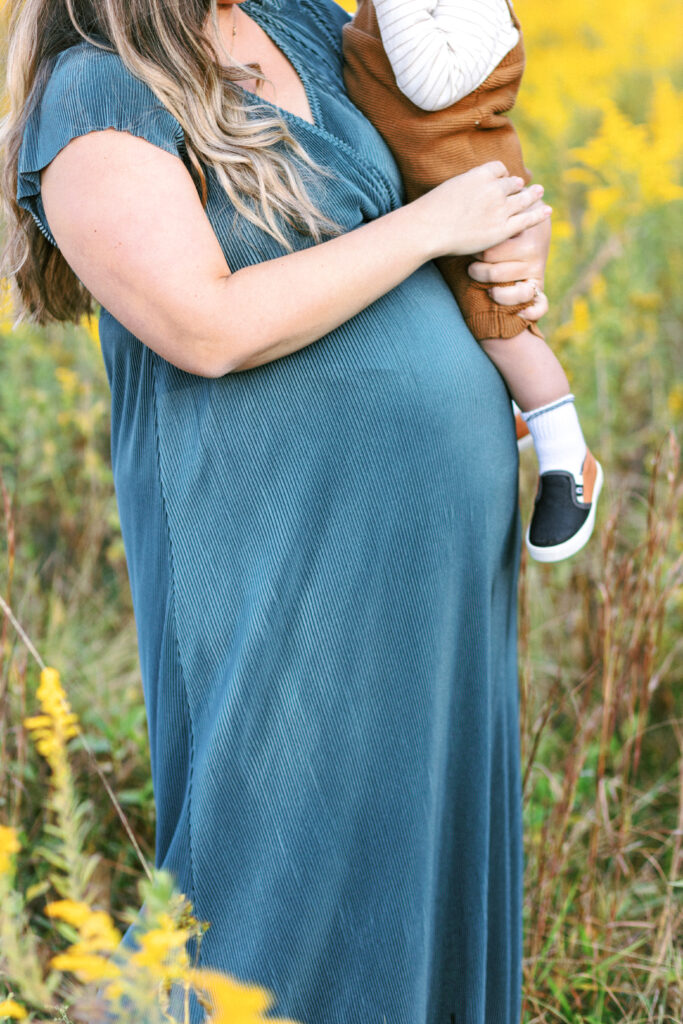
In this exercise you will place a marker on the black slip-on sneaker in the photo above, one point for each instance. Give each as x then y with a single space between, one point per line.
564 512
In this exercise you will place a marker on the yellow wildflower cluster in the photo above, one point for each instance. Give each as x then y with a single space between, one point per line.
12 1010
9 844
231 1003
91 328
160 960
627 166
97 937
6 312
598 94
52 730
584 50
139 982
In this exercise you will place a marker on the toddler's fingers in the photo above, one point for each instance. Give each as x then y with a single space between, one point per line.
510 295
494 273
537 309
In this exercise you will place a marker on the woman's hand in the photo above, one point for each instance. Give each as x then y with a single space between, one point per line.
473 211
521 259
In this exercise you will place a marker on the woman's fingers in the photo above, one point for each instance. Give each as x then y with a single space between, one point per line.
528 218
512 184
522 199
497 168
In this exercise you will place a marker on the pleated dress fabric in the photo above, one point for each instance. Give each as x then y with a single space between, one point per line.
323 557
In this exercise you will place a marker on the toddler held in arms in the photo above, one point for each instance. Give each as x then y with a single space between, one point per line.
436 77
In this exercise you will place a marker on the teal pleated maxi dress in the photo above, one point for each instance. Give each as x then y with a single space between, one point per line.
323 558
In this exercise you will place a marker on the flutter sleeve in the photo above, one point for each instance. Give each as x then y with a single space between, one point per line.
88 90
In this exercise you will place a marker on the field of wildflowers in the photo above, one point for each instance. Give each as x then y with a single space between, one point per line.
599 115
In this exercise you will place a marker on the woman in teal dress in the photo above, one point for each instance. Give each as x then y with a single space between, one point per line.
322 541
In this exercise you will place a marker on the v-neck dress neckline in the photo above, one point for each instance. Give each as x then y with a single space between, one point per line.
262 19
378 178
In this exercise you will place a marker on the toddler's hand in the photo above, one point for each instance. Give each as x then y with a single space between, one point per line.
522 259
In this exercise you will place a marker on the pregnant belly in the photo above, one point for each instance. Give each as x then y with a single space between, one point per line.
405 379
400 397
398 407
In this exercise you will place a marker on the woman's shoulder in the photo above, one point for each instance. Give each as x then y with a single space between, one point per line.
88 88
86 53
78 66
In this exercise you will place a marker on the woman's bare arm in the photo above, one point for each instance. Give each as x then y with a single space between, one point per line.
127 218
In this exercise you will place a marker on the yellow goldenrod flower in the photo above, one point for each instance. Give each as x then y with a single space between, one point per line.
57 724
91 328
38 722
114 990
49 679
96 930
86 966
580 316
9 1008
54 702
9 844
562 229
68 379
6 318
646 301
71 911
675 401
91 924
598 288
162 952
231 1002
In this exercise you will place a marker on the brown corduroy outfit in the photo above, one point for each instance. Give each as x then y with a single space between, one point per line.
430 146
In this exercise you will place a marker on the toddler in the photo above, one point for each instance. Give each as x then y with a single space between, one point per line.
436 77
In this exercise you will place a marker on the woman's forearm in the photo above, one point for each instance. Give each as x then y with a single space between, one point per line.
278 306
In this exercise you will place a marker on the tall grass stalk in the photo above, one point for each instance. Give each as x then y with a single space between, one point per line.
604 837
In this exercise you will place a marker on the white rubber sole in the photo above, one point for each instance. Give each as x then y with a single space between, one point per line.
569 547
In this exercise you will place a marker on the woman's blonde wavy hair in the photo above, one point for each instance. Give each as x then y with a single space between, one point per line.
166 44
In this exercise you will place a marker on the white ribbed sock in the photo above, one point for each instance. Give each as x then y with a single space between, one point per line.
557 435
